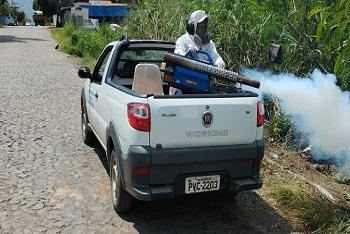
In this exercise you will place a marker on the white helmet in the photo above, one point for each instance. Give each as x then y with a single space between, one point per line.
197 25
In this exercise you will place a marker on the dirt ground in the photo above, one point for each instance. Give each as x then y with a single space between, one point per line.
298 167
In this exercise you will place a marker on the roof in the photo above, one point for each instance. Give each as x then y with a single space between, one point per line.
119 10
147 43
101 8
105 3
38 12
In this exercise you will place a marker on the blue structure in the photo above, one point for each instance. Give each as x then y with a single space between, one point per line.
106 11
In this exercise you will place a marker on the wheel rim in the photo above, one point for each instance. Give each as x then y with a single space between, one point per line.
114 178
83 125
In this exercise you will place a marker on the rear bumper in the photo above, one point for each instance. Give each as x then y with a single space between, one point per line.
170 167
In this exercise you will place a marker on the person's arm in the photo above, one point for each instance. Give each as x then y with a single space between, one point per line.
184 44
181 46
217 59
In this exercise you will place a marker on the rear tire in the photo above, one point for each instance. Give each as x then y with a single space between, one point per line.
87 135
121 199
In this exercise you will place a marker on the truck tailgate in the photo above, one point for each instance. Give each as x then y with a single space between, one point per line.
195 122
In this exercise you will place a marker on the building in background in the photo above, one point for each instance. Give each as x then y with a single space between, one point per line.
94 11
106 10
7 20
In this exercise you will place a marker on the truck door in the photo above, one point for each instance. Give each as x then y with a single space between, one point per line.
96 106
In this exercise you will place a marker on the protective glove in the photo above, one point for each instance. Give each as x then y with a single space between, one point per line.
192 48
221 64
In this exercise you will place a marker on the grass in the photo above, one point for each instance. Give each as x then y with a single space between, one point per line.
85 43
88 61
57 34
64 41
307 208
343 180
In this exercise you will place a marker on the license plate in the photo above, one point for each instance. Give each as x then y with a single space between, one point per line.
202 184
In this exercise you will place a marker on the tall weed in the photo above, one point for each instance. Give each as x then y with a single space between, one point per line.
311 210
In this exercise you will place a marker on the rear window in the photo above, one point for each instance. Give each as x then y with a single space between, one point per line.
128 60
143 55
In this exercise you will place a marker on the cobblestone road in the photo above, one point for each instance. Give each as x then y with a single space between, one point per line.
50 182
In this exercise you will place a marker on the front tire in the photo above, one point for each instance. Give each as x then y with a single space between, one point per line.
87 135
121 199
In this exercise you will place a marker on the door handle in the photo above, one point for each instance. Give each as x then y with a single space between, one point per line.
96 95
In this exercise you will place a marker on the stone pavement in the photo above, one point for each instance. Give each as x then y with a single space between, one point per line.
49 180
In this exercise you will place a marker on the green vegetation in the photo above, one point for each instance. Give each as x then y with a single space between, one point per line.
333 37
85 43
343 180
243 31
20 17
279 127
313 34
309 209
5 8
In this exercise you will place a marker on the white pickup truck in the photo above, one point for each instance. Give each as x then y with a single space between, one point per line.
161 145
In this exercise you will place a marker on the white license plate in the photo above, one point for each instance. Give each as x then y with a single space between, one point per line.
202 184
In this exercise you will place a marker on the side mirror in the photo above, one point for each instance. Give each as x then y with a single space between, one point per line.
84 72
275 53
124 37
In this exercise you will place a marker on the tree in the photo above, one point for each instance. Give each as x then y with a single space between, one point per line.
51 7
4 8
20 15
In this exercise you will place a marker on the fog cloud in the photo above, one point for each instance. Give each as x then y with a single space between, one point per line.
319 106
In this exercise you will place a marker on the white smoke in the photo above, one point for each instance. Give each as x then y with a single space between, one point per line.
317 103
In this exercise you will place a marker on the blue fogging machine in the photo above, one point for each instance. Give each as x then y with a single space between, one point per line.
198 76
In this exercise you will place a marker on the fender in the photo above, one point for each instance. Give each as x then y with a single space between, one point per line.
83 102
112 137
137 155
82 96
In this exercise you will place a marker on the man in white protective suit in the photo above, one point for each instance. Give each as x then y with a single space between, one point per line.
197 38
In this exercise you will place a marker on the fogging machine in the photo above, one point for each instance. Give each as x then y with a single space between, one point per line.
200 76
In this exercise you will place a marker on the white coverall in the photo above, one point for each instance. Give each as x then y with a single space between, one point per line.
186 41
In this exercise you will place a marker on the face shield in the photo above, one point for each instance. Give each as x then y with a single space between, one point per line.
200 21
202 31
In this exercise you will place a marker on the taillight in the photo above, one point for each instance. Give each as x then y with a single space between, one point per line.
260 114
256 166
139 116
141 171
257 162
